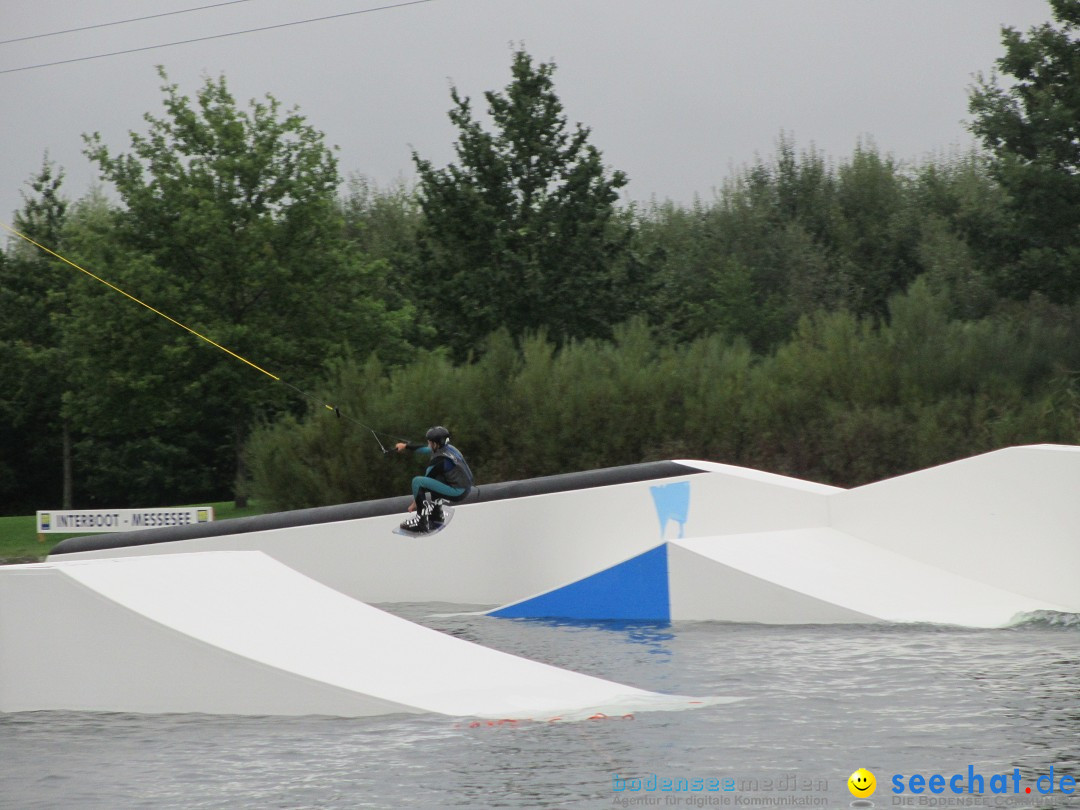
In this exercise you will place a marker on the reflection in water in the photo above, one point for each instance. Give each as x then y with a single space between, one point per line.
652 634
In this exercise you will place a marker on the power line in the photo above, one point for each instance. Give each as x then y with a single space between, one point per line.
215 36
120 22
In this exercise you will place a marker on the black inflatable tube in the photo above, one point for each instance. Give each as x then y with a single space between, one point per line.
546 485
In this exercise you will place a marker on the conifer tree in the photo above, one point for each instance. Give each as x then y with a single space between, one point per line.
522 230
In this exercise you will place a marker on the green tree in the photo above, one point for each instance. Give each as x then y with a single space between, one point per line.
783 239
1031 126
878 235
382 224
230 224
964 222
699 283
35 434
523 231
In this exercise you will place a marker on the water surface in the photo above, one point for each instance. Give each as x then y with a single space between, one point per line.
820 702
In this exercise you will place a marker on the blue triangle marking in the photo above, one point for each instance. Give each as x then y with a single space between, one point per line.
634 589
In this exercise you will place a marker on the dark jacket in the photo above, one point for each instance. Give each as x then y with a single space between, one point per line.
448 465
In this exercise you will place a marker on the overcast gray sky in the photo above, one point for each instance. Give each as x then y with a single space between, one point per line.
679 93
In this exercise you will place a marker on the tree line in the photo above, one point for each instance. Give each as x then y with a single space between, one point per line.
842 321
846 400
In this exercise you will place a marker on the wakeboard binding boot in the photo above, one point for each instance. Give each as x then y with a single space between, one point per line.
428 517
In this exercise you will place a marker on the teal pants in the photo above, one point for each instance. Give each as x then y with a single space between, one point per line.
422 485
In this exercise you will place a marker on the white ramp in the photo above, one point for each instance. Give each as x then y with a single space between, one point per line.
240 633
812 576
1010 518
795 576
998 530
496 551
975 542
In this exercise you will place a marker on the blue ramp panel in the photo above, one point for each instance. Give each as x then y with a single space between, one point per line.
634 589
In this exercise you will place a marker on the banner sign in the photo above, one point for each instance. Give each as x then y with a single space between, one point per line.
76 521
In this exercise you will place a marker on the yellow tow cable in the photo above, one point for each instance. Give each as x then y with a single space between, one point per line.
186 328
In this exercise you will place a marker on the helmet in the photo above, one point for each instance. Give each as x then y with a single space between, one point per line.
439 435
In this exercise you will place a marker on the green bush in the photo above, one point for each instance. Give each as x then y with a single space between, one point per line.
847 400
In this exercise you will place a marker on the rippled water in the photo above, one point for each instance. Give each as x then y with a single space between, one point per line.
820 702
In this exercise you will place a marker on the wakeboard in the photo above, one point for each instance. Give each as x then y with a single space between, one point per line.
448 514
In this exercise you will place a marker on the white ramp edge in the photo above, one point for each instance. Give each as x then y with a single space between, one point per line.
236 632
1009 518
826 576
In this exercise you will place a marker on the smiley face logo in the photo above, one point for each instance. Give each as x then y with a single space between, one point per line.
862 784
